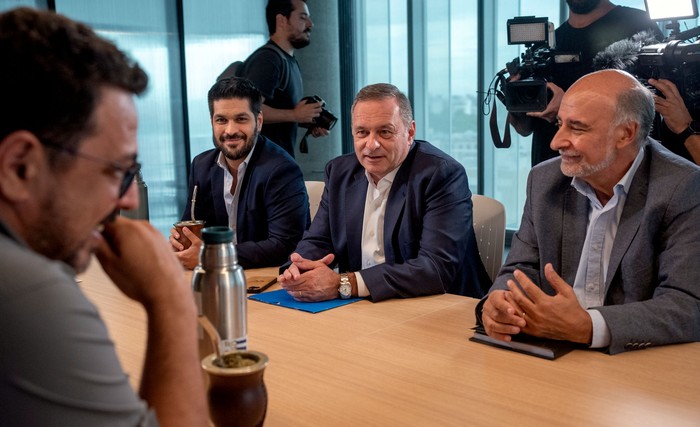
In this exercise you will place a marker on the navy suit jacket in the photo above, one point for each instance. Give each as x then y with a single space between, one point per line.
652 284
429 241
273 207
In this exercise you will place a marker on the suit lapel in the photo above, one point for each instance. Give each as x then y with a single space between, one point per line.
355 197
394 208
242 196
630 220
575 220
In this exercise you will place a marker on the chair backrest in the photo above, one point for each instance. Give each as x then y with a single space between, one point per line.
315 191
489 218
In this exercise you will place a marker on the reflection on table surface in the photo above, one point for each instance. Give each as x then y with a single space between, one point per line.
409 363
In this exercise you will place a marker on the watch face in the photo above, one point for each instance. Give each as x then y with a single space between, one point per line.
345 289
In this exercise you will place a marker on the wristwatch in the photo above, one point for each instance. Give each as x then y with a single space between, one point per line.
692 129
345 289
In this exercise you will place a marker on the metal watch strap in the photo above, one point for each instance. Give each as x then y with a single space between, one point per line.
345 288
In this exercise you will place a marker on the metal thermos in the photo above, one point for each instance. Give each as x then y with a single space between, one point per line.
219 286
142 211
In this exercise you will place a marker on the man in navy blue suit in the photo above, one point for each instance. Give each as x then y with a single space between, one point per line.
395 216
247 183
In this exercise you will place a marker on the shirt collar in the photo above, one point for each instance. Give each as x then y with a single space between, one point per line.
388 179
623 185
221 159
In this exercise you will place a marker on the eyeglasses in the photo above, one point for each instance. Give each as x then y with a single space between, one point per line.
128 173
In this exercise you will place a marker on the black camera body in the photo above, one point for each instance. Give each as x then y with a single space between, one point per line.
675 61
529 92
536 66
326 119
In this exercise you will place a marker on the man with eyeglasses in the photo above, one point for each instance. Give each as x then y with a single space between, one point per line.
67 162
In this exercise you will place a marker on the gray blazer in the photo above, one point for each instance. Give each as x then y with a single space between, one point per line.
653 279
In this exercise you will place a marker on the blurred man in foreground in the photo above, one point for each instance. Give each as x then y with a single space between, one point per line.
67 162
606 254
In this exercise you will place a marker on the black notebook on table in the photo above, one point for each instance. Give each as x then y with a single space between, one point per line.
522 343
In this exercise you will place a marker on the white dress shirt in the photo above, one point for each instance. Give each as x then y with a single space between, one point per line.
231 197
373 226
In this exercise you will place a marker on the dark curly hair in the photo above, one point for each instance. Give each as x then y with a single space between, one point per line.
52 73
277 7
235 87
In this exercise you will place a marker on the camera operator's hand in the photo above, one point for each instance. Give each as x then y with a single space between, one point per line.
521 123
513 77
671 105
317 131
550 113
306 112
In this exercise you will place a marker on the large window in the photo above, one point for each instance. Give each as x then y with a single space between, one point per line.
431 51
217 32
442 53
435 52
148 32
506 172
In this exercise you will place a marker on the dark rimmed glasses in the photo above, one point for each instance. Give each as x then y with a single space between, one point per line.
128 173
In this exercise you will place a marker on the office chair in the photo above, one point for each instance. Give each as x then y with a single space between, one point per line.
489 218
315 191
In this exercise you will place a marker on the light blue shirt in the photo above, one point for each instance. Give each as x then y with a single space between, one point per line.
591 275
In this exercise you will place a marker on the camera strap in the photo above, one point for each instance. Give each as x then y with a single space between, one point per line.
493 120
303 144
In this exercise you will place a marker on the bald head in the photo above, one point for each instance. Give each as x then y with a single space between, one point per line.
604 119
629 100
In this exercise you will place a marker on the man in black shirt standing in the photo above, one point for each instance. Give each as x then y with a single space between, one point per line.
275 72
592 26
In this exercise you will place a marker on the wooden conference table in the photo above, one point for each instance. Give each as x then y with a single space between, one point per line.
409 363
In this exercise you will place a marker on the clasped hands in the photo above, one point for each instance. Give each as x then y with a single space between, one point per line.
524 307
308 280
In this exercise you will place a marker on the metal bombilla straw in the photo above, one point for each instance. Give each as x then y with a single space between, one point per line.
211 331
194 198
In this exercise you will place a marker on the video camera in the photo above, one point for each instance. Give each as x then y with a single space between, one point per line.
535 67
676 61
673 59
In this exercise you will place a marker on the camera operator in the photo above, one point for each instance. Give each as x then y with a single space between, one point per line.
592 25
678 131
275 71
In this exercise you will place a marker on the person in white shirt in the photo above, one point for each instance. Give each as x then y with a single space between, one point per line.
395 216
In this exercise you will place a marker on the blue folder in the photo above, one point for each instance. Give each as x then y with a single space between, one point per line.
283 299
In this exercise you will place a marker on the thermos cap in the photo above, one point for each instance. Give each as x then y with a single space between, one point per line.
218 234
